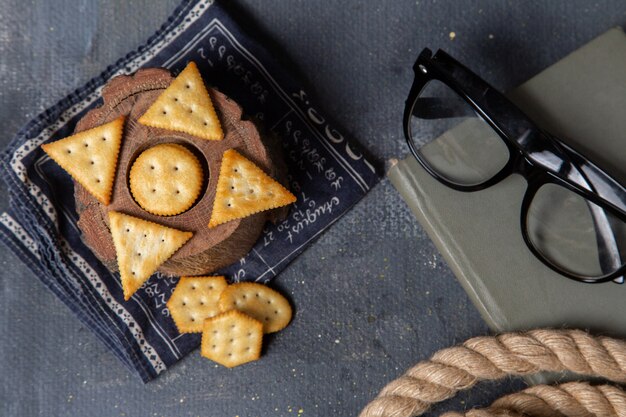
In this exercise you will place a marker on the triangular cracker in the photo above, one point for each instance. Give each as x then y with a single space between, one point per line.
141 247
90 157
185 106
244 189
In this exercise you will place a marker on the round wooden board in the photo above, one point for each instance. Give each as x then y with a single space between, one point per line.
209 248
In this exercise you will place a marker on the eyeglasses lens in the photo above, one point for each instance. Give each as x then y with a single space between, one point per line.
575 234
467 151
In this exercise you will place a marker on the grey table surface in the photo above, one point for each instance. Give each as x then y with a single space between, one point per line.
372 295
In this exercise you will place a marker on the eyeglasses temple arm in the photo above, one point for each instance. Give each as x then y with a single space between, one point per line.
589 176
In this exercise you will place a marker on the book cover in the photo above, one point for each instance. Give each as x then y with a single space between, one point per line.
581 99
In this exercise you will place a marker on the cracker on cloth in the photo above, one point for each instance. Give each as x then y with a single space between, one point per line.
258 301
195 299
166 179
141 247
90 157
244 189
231 339
185 106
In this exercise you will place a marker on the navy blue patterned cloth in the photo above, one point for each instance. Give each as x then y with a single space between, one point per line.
326 172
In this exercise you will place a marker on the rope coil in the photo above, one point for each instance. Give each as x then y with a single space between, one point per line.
488 358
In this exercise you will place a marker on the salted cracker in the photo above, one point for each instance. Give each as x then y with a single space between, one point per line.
141 247
90 157
195 299
258 301
244 189
185 106
231 339
166 179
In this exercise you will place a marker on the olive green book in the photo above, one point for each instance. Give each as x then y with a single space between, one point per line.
581 99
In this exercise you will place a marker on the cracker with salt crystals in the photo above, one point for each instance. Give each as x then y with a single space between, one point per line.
244 189
90 157
195 299
185 106
258 301
231 339
141 247
166 179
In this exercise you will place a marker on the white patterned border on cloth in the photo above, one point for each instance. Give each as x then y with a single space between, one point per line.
327 174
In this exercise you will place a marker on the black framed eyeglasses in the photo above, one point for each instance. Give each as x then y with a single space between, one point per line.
573 215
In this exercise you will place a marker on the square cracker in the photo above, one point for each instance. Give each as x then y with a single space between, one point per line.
195 299
232 338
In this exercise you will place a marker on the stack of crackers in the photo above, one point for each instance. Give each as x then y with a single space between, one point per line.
167 179
231 318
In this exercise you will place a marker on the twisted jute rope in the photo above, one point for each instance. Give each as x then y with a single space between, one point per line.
488 358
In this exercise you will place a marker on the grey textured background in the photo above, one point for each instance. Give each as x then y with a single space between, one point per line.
372 295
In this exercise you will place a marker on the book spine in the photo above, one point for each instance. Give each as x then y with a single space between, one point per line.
403 178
